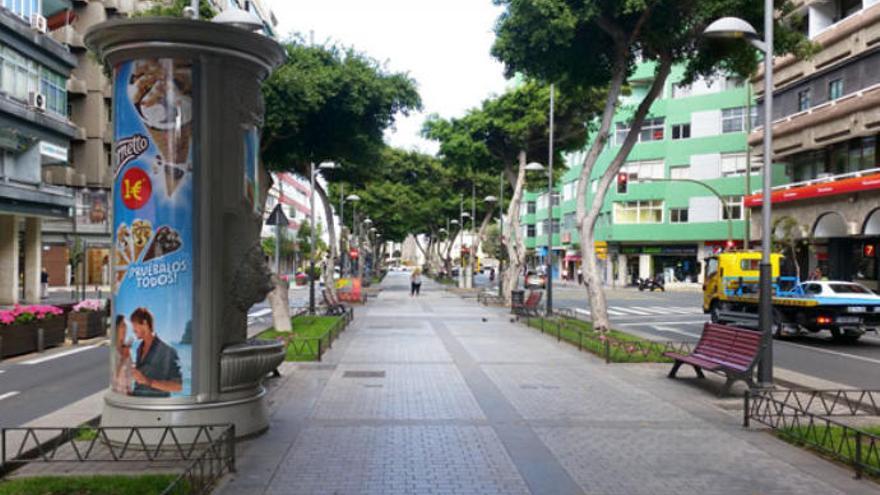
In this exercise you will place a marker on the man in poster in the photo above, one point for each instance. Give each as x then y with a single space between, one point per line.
157 367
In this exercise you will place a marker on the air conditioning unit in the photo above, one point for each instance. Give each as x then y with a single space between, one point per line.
38 23
37 100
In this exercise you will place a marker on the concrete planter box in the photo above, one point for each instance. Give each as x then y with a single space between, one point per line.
89 324
22 339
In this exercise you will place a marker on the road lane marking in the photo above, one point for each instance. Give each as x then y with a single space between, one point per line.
60 355
834 353
660 328
8 395
584 312
652 309
630 311
260 312
684 322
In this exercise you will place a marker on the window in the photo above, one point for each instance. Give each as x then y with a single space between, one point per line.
735 164
530 230
554 198
681 131
681 91
652 130
835 89
568 221
643 170
735 205
733 120
638 212
678 215
594 185
54 87
23 8
679 173
804 99
848 289
531 208
848 8
19 76
732 82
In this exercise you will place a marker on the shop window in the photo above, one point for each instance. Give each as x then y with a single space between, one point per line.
835 89
638 212
678 215
681 131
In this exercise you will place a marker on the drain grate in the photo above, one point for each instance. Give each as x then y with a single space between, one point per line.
329 367
363 374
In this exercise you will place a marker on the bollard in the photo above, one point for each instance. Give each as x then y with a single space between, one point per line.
74 333
746 408
231 446
41 340
319 350
607 350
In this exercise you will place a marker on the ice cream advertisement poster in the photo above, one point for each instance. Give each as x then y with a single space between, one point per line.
152 228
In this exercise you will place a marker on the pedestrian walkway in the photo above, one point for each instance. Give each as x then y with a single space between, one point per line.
438 395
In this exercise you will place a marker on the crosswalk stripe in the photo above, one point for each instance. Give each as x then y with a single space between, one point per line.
616 313
630 311
584 312
8 395
657 310
684 311
259 312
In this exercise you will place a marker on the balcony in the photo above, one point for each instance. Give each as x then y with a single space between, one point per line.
76 87
68 36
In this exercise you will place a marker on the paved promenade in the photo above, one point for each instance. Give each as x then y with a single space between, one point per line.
436 395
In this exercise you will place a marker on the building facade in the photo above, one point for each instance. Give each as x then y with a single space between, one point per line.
826 122
85 236
679 196
35 135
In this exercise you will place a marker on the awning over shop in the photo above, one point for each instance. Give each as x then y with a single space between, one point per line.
28 201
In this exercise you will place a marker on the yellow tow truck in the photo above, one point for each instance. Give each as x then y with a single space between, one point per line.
730 295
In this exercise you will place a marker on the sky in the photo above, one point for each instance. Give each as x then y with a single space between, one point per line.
443 44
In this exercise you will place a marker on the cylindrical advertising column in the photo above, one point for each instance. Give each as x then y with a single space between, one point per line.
186 112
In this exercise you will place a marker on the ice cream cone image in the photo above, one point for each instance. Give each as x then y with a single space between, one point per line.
141 232
161 90
120 276
123 251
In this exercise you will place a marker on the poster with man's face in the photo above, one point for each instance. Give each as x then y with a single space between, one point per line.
152 228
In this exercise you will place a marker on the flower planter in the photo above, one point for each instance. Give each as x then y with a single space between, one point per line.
22 338
89 324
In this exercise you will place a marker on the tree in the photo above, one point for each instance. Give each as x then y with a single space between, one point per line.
326 103
174 8
498 138
597 43
788 238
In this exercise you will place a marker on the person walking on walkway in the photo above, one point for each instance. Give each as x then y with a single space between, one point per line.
415 282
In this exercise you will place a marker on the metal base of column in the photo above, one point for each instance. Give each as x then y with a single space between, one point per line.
250 414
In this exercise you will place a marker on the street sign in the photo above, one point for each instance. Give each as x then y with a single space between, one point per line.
277 217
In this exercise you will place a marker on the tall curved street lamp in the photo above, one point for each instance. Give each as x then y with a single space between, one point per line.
736 28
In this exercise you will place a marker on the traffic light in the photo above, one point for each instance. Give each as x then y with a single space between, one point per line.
622 181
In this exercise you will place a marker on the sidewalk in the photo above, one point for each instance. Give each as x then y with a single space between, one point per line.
439 395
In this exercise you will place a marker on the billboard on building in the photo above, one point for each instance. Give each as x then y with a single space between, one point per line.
153 228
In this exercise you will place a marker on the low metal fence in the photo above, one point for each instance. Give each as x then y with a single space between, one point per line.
315 347
812 418
207 450
613 347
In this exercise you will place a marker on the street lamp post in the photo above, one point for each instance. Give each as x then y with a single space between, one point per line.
501 236
313 172
732 27
361 261
490 200
548 259
354 198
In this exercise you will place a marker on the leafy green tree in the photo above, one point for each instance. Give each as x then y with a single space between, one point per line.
174 8
327 103
596 44
506 131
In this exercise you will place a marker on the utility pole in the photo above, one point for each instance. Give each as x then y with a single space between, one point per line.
550 208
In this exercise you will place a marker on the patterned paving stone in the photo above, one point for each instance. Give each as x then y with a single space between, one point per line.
521 349
423 391
659 461
395 348
577 393
391 460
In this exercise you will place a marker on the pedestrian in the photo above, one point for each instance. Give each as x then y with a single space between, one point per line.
415 282
817 274
44 284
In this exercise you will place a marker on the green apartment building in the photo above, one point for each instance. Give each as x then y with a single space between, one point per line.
652 222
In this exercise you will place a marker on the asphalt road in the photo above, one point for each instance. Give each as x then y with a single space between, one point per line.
34 385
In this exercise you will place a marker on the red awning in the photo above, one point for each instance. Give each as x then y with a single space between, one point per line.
844 186
572 257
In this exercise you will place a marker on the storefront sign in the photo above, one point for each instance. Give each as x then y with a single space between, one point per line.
870 250
845 186
152 228
52 153
660 250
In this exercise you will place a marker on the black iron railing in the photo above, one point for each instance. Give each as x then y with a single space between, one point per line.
812 418
314 348
613 346
206 451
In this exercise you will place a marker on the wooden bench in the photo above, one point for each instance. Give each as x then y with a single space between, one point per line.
529 307
723 349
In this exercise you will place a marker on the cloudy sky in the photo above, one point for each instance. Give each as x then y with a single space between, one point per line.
443 44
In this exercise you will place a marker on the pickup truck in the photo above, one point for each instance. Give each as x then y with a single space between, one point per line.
730 295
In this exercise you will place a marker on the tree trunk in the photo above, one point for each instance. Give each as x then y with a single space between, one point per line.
515 248
329 283
481 234
280 304
447 259
595 291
